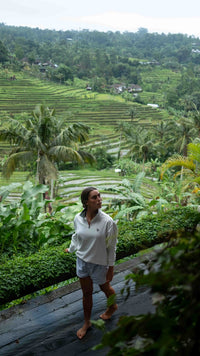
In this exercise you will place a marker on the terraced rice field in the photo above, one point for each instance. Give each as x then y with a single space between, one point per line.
157 82
72 182
102 112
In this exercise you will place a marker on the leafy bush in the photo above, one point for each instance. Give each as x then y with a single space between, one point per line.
128 166
24 227
173 329
128 200
137 235
103 158
21 276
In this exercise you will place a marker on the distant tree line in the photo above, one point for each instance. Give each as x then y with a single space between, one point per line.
104 58
105 54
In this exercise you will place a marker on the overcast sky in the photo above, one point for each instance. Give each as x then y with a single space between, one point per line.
161 16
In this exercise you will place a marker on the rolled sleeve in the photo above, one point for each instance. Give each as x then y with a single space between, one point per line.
73 244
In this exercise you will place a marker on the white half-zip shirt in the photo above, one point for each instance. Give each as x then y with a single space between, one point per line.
95 243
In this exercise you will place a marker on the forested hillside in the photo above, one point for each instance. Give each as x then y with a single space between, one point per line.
104 59
69 46
125 107
106 79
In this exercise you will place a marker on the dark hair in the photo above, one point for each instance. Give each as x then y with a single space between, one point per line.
85 194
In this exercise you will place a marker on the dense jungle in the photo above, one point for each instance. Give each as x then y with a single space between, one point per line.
116 110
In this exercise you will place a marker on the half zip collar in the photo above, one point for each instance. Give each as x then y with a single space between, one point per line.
83 215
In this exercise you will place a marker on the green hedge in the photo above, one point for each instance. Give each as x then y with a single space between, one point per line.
21 276
137 235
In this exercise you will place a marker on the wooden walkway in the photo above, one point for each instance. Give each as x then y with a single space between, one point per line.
47 325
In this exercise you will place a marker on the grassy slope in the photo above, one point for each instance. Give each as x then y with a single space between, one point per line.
101 111
71 183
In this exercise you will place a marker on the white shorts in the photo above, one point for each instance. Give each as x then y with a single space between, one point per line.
96 272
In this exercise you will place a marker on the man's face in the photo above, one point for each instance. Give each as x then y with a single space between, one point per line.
94 201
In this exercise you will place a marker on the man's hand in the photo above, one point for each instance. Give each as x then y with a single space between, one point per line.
66 250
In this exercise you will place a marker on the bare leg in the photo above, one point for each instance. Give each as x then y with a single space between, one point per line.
108 290
87 289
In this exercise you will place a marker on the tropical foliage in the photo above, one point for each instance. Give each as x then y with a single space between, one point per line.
43 141
189 174
165 68
129 202
44 261
140 143
173 278
24 227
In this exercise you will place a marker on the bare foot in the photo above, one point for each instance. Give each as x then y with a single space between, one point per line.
82 331
109 312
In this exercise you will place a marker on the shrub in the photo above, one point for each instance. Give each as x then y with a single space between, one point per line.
24 227
137 235
21 276
174 327
103 158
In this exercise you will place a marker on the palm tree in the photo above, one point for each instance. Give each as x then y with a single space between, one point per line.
184 132
189 167
195 114
163 132
45 140
140 143
132 112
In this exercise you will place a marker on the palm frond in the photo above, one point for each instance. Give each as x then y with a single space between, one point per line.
74 133
14 161
86 156
14 132
81 131
65 154
196 180
65 138
194 151
180 161
184 172
35 143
